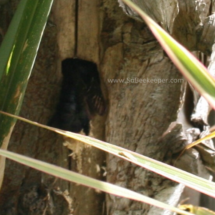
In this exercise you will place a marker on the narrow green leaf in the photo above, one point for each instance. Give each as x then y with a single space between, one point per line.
180 176
20 44
189 66
7 45
87 181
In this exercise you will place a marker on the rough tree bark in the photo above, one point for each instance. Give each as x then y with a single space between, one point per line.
25 191
139 114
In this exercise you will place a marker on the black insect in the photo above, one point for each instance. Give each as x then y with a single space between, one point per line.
80 97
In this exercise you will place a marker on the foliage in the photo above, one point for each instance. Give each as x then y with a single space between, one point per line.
17 55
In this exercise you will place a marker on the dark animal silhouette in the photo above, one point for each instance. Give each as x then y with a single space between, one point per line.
80 97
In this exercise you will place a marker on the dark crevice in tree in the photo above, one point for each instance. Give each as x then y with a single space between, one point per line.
76 28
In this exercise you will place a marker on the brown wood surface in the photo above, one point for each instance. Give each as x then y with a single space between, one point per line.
137 115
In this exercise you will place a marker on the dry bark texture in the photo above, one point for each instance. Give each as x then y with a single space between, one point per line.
141 111
25 190
138 113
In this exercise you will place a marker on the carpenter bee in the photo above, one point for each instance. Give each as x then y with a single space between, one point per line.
80 97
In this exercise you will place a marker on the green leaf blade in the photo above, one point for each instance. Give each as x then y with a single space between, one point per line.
87 181
189 66
24 42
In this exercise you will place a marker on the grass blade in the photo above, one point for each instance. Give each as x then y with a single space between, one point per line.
87 181
17 56
190 67
180 176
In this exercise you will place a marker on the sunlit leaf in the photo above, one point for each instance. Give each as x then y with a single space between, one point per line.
197 210
17 55
180 176
190 67
87 181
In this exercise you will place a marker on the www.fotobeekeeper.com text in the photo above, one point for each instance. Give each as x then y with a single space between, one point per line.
144 81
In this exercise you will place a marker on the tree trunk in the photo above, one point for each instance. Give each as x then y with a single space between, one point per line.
139 113
144 93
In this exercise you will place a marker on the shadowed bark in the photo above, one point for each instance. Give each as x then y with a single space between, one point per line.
146 100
